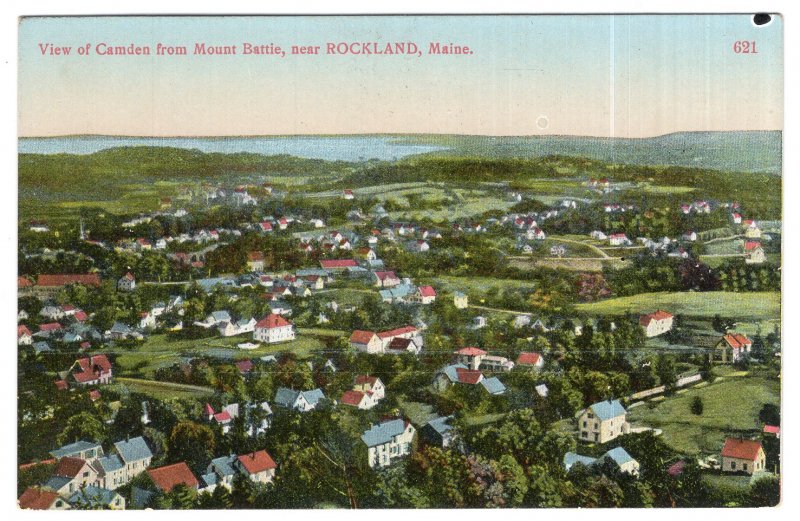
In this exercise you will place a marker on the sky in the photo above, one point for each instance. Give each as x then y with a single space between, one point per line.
590 75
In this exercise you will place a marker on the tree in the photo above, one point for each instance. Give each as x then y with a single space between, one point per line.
82 426
665 368
770 414
192 443
765 492
696 406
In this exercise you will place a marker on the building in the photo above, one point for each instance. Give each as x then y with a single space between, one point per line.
165 478
425 295
439 432
35 498
70 475
734 347
273 328
387 441
24 336
460 300
603 421
754 253
530 359
301 401
93 370
619 239
656 323
404 345
127 282
255 261
366 342
97 498
80 449
49 285
385 279
470 357
619 456
745 456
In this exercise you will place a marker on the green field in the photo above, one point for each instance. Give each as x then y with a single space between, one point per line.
731 406
159 351
747 305
164 390
479 285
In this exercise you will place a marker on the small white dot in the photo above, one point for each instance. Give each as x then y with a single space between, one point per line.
542 122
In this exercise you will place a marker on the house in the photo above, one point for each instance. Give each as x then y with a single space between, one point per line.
460 300
401 345
52 312
461 374
359 399
84 450
530 359
736 218
70 475
220 472
333 265
93 370
127 282
24 336
348 194
773 431
385 279
366 342
603 421
536 234
690 236
425 295
165 478
273 328
146 320
387 441
521 321
598 235
370 384
258 466
752 231
35 498
49 285
739 455
439 432
301 401
419 246
255 261
656 323
366 253
470 356
265 226
735 344
135 454
97 498
619 456
478 322
754 253
411 332
119 331
619 239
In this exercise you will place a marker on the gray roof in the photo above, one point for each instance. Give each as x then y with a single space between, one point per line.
313 396
571 458
209 479
110 463
441 424
285 397
134 449
223 465
120 328
450 371
607 409
74 448
92 495
383 432
41 347
493 385
56 483
140 497
619 455
221 316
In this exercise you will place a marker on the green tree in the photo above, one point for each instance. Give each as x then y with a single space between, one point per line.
696 406
83 426
765 492
192 443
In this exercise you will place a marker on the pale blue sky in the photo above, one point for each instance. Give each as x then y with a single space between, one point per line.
655 74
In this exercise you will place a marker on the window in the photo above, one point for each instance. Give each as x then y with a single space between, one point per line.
733 465
744 466
584 424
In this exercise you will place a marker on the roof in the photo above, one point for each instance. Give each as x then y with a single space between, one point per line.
471 351
657 315
352 398
619 455
493 385
383 275
92 495
37 499
255 462
244 366
51 326
676 469
224 465
427 291
286 397
133 449
128 276
399 344
571 458
397 332
361 337
23 282
772 429
338 263
383 432
751 245
441 424
737 340
167 477
364 379
69 467
741 449
88 279
74 448
110 463
57 482
528 358
272 321
313 396
468 376
607 409
23 330
255 256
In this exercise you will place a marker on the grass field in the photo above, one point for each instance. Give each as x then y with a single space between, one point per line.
731 406
159 351
164 390
750 305
566 263
479 285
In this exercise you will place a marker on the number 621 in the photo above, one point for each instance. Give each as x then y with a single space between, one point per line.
745 47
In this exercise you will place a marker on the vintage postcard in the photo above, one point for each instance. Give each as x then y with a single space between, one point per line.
373 262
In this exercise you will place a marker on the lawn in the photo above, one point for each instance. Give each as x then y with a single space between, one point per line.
731 406
419 413
747 306
164 390
159 351
479 285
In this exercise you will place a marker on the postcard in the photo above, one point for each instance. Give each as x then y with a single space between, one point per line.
406 261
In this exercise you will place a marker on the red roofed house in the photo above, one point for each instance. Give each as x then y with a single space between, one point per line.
50 327
385 279
618 239
337 264
165 478
35 498
469 376
772 430
366 342
399 346
265 226
425 295
348 194
49 285
470 356
244 366
370 384
656 323
24 337
530 359
273 328
358 399
255 261
258 466
754 253
737 344
386 337
70 475
743 456
93 370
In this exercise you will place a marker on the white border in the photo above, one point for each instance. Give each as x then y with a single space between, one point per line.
8 151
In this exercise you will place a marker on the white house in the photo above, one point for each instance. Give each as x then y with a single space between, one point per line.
603 421
387 441
618 239
273 328
127 282
656 323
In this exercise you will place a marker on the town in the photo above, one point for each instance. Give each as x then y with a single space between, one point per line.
432 332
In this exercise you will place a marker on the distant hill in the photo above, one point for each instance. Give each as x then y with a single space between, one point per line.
752 151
